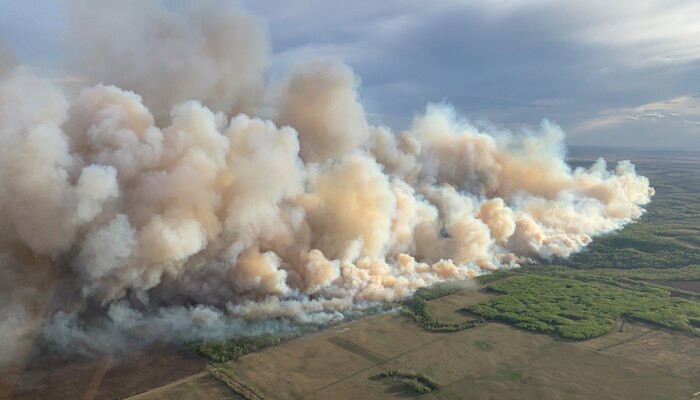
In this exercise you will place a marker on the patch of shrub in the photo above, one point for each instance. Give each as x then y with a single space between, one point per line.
234 348
435 292
417 309
494 276
417 382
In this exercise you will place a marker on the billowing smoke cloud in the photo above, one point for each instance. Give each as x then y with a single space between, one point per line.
212 53
122 225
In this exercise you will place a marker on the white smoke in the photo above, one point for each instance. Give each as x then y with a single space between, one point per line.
122 225
213 53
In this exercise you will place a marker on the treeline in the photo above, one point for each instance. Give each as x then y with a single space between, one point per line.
246 392
691 272
417 309
234 348
435 292
419 383
494 276
604 256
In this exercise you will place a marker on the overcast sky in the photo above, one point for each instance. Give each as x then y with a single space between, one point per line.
623 72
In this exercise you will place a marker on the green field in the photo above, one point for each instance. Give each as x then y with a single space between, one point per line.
583 309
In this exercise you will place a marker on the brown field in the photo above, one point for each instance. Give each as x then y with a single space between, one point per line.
447 308
490 361
691 286
677 355
198 386
105 378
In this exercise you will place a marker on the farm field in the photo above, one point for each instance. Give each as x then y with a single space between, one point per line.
492 360
105 378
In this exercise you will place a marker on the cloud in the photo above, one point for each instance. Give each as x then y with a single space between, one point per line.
666 123
684 110
496 59
647 31
502 60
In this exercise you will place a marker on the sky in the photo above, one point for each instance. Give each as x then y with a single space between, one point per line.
610 73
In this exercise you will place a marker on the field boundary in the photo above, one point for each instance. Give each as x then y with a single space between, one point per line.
166 386
357 349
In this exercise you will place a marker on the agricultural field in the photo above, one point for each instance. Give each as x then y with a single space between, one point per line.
106 377
491 360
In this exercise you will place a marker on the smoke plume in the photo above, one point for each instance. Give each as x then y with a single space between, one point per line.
151 208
